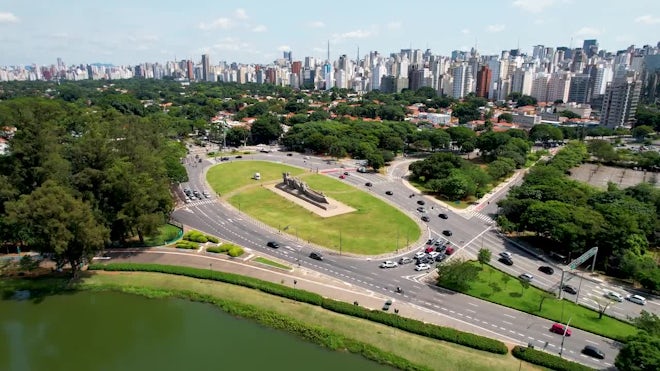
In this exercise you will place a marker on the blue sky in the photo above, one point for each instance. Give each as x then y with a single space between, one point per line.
134 31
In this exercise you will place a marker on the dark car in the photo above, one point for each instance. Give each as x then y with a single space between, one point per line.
316 256
505 261
273 244
426 218
239 156
592 351
440 248
440 257
569 289
368 184
345 172
289 154
387 304
421 202
442 216
389 193
447 232
547 270
224 158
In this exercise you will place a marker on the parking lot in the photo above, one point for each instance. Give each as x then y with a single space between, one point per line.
599 176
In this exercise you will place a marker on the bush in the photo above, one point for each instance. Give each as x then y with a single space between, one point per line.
212 239
548 360
235 251
403 323
186 245
195 236
218 249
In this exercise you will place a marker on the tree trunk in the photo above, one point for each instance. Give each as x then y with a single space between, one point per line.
140 236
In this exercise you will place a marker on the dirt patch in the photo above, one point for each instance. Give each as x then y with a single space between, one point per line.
334 207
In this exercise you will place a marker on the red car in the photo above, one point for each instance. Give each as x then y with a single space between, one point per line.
558 328
449 250
429 249
342 176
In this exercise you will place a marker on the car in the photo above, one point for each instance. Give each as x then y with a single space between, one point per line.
637 299
273 244
442 216
387 304
388 264
187 200
368 184
447 232
526 277
422 267
342 176
614 296
224 158
421 202
449 250
440 248
389 193
206 194
316 255
421 209
440 257
546 269
420 254
569 289
346 173
505 261
430 241
433 254
289 154
560 329
405 260
506 255
592 351
429 249
426 219
239 156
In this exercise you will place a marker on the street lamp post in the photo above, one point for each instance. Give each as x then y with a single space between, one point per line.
340 242
561 350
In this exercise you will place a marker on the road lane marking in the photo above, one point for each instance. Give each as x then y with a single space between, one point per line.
474 305
592 342
508 315
470 310
508 323
546 335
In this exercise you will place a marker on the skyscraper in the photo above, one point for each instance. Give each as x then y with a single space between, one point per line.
206 67
484 78
620 102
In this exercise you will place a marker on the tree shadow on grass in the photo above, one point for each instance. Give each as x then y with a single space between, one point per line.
485 294
515 294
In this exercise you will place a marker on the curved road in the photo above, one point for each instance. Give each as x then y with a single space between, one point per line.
471 230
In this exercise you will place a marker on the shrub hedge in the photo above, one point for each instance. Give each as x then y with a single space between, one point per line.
235 251
548 360
186 245
195 236
393 320
212 239
218 249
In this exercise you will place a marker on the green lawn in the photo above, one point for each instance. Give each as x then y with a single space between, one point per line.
166 233
371 229
374 228
509 295
261 260
229 176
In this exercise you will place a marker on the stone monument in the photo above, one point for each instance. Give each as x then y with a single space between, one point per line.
300 189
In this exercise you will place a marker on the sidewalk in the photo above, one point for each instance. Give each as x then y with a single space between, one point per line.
302 278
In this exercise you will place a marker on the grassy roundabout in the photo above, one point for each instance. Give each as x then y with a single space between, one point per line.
374 228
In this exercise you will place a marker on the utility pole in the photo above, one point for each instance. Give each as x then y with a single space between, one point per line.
561 350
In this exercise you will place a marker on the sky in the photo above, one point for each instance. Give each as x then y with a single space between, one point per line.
125 32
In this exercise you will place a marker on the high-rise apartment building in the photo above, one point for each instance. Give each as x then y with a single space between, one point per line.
620 102
484 80
578 90
206 67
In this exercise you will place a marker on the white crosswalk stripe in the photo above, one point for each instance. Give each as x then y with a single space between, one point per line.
472 214
200 202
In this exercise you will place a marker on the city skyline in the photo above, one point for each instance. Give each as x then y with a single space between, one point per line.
155 31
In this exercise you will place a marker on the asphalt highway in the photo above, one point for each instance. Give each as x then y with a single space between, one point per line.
470 231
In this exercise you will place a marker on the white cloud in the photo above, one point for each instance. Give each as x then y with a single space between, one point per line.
357 34
588 32
396 25
230 44
240 14
646 19
284 48
465 31
495 28
222 23
316 24
6 17
533 6
319 50
259 28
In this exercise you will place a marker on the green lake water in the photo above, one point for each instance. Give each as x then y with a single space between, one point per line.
115 331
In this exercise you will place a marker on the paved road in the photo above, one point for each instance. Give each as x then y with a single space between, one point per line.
469 233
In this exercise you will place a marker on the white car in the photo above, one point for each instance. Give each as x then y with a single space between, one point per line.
637 299
420 254
526 277
433 254
389 264
506 255
614 296
422 267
